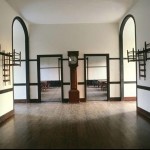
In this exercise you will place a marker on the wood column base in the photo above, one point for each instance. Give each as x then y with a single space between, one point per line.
74 96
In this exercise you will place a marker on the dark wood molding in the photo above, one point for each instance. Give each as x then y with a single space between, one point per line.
33 84
19 84
6 116
81 83
97 66
6 91
143 87
66 83
115 99
32 59
143 112
129 82
20 100
60 56
34 101
114 82
27 66
114 58
82 100
129 99
108 72
121 52
65 100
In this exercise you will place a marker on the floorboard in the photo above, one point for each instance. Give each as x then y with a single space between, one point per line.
90 125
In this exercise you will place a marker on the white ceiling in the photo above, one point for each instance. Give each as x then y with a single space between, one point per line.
71 11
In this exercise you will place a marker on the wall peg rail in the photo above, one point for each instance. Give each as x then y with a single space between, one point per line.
147 50
141 56
8 60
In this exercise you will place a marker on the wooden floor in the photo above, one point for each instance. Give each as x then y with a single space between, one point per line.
94 124
52 94
96 94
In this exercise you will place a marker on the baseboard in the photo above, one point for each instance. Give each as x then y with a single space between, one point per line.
114 99
82 100
143 112
129 99
66 100
6 116
20 100
34 101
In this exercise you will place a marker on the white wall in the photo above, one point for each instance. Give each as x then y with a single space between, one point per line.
49 69
141 13
85 38
97 68
7 15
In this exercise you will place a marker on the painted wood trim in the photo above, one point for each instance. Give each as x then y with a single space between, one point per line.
129 99
108 73
114 82
115 99
20 100
66 83
34 100
143 112
114 58
121 52
38 73
32 60
82 100
26 53
19 84
33 84
65 100
143 87
6 116
130 82
81 83
6 91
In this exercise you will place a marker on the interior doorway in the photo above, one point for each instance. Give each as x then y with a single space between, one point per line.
127 39
50 78
96 77
20 43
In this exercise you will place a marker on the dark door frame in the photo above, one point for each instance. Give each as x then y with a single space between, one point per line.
121 53
26 54
39 76
108 77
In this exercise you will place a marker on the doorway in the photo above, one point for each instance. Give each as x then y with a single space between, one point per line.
96 77
20 43
50 78
127 39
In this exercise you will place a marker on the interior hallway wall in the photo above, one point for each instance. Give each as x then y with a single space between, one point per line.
85 38
141 14
7 15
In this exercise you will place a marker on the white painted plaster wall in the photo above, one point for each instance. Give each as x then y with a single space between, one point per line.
141 13
85 38
6 14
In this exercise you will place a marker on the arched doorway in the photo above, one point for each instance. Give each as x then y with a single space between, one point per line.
20 42
127 41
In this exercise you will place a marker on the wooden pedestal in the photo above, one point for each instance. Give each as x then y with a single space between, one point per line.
74 96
